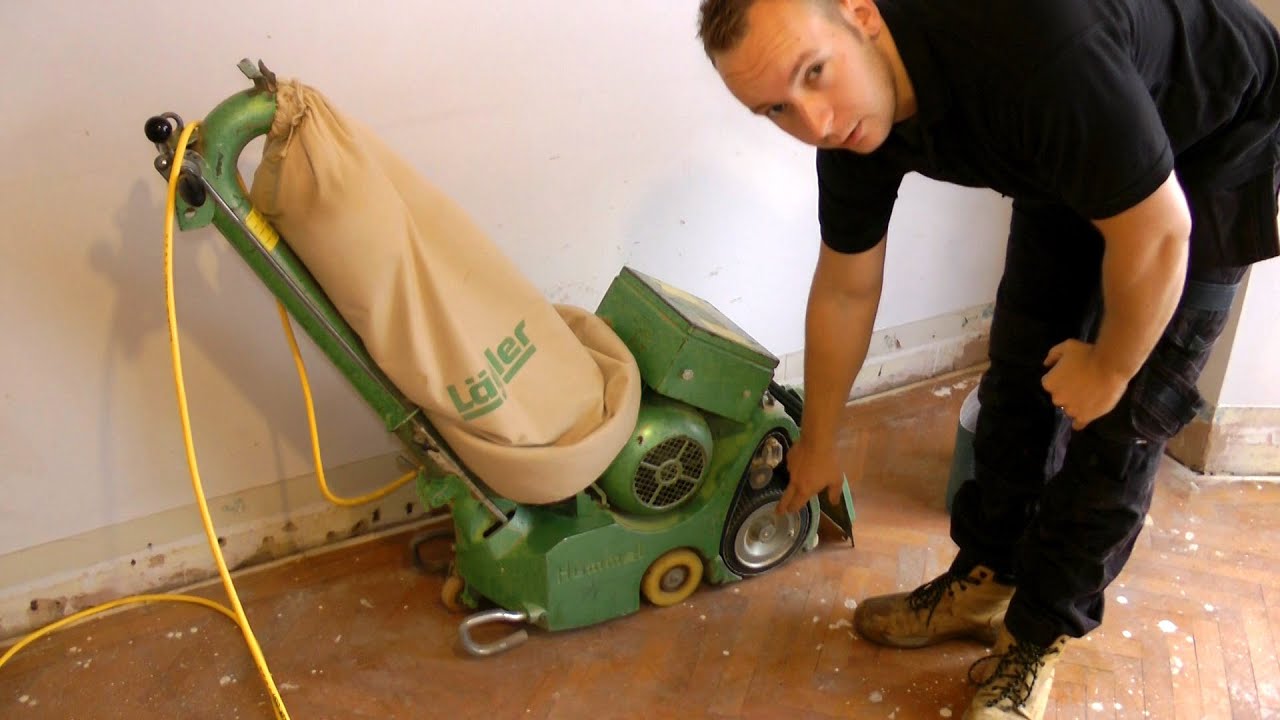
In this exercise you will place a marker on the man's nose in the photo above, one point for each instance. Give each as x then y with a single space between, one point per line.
815 119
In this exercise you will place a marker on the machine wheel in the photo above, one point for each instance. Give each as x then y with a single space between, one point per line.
672 577
451 593
757 539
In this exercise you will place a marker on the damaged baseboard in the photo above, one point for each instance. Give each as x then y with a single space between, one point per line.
169 550
1231 441
913 352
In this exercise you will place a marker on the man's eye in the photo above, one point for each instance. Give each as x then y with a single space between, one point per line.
775 110
814 72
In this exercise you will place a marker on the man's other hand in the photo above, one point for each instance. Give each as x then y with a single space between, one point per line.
1080 386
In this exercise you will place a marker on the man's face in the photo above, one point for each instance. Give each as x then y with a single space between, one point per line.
820 78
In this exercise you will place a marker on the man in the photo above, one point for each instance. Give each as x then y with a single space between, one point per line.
1138 141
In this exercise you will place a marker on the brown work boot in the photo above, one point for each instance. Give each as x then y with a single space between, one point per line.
1015 679
948 607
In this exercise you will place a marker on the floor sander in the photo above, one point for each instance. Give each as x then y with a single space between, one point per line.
691 497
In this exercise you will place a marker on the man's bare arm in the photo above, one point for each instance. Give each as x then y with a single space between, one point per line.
843 300
1143 270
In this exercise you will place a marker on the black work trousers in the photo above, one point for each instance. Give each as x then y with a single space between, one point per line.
1057 511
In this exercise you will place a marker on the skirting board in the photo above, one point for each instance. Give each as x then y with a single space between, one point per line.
910 353
168 551
1231 441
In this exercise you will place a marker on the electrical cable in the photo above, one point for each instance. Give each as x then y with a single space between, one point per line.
236 614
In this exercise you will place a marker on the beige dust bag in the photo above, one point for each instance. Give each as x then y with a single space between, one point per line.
535 399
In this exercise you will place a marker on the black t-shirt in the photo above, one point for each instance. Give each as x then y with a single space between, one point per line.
1084 103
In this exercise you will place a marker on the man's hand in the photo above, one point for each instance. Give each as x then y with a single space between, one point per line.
811 471
1079 384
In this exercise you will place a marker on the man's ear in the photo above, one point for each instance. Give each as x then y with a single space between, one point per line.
862 14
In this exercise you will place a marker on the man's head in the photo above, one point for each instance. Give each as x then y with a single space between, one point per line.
825 71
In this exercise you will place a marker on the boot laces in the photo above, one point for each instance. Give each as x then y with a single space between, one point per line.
927 596
1015 674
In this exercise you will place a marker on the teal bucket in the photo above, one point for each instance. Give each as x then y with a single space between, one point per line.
962 464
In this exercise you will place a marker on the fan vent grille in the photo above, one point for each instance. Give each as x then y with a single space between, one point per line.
670 473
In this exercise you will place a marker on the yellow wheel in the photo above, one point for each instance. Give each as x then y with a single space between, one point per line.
451 593
672 577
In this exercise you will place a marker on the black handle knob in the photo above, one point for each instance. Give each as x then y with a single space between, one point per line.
158 129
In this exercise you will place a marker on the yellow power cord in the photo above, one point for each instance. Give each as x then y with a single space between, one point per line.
236 614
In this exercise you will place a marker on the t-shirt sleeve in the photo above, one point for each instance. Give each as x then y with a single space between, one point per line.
856 195
1094 130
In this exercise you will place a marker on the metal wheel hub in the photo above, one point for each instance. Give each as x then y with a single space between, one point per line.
674 578
765 537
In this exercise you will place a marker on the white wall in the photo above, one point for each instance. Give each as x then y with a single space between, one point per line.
1252 376
582 135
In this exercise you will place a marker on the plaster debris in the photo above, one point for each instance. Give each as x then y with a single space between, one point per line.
815 618
288 686
945 712
726 653
74 650
702 617
1175 665
942 392
24 699
337 639
875 696
1096 707
1127 634
226 680
1122 600
839 624
194 629
850 604
1208 607
1167 627
366 603
1190 535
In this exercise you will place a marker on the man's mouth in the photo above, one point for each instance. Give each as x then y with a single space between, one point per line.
854 136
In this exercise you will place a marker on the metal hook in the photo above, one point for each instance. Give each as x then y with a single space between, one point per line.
492 616
263 79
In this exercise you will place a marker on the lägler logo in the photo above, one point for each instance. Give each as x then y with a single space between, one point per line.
485 391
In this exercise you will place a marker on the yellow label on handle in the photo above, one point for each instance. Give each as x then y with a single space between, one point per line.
266 234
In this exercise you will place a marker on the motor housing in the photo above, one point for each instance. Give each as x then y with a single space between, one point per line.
664 464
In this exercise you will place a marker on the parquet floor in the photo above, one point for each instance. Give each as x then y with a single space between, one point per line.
358 632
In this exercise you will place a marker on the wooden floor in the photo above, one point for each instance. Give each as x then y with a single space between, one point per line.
1191 628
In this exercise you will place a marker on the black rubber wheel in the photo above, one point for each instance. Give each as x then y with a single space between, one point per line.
757 539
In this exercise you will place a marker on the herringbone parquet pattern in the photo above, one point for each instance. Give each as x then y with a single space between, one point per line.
1191 628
